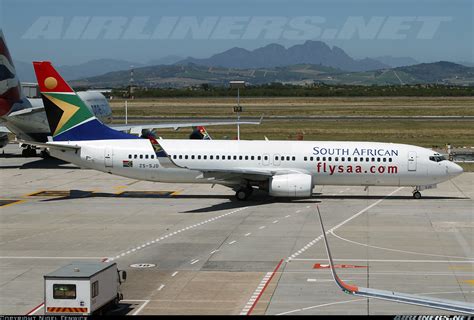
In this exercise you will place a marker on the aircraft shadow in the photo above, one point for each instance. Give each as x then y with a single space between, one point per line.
48 163
257 199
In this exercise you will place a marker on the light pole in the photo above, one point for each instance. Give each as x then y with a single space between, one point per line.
238 84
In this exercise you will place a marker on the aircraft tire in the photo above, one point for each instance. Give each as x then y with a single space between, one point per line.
417 195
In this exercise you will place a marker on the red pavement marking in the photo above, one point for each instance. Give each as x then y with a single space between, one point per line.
265 287
35 308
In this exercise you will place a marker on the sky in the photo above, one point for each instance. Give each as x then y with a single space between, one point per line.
73 32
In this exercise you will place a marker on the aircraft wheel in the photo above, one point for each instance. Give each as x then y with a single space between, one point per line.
417 195
243 194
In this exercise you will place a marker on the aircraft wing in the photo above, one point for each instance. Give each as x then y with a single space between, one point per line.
137 128
4 129
430 302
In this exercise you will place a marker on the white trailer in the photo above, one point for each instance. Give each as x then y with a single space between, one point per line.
82 288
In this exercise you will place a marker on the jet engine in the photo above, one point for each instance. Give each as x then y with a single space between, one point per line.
291 185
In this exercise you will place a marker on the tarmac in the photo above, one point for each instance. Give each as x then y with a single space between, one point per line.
193 249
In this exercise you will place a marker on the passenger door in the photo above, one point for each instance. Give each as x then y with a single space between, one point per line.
411 161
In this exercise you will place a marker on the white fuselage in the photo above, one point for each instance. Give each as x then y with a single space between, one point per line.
327 162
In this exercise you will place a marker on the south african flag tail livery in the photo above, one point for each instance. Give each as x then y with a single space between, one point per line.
68 116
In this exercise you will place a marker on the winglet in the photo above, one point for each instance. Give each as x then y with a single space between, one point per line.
344 286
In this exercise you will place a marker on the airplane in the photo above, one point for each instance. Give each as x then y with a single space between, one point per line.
281 168
415 299
25 117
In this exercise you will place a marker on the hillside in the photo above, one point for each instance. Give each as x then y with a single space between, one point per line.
192 74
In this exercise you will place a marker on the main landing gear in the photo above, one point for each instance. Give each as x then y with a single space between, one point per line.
28 151
416 193
243 193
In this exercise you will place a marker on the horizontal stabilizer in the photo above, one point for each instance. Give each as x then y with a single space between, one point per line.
52 145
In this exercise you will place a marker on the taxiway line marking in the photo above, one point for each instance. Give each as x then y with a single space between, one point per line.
141 307
174 274
319 306
13 203
35 309
288 215
262 227
232 242
161 287
257 294
214 251
149 243
275 221
247 234
396 250
315 240
195 261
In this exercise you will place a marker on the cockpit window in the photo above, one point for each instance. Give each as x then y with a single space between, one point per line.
437 158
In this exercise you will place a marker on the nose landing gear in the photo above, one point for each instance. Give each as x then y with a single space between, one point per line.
416 194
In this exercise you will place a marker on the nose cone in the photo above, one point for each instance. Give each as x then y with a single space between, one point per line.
454 169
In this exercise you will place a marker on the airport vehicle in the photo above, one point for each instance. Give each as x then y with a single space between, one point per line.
425 301
83 288
281 168
27 120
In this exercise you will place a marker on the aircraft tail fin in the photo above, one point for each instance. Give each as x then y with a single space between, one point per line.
10 88
68 116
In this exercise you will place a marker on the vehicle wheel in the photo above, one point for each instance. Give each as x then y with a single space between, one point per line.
416 195
24 153
241 194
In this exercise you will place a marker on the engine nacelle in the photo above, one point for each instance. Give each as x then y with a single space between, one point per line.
291 185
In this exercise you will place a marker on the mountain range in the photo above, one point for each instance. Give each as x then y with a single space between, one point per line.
310 61
276 55
192 75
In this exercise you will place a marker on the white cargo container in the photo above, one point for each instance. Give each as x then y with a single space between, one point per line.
82 288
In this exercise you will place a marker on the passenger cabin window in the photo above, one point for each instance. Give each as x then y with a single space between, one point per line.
265 158
305 158
211 157
192 156
259 158
205 157
134 156
64 291
130 156
141 156
146 156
